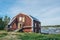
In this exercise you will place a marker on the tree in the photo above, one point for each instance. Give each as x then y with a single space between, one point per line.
1 24
6 20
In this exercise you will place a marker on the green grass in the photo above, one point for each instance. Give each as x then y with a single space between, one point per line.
3 34
28 36
37 36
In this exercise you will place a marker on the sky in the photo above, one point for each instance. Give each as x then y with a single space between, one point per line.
46 11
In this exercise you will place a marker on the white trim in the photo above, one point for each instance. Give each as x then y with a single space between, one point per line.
11 20
27 26
32 23
29 17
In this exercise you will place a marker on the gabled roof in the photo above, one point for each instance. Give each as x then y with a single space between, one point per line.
30 16
24 14
34 18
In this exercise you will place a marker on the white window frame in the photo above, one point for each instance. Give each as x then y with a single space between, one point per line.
20 18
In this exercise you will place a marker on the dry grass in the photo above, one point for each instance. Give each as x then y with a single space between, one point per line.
27 36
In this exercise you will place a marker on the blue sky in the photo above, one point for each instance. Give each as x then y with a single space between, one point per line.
47 11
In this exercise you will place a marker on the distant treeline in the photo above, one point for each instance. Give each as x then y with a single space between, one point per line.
3 22
52 26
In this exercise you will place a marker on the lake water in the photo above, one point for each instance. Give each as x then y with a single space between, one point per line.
50 30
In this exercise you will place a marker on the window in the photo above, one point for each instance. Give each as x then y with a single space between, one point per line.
35 24
22 19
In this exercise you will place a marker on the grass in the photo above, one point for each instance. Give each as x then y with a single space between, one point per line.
27 36
2 33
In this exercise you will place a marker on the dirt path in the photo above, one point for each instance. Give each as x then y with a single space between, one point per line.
10 36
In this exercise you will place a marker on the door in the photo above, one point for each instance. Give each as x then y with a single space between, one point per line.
19 25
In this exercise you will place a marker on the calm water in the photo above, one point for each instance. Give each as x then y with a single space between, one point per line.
51 30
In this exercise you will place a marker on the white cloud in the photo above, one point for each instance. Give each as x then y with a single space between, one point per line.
50 16
51 21
45 14
50 12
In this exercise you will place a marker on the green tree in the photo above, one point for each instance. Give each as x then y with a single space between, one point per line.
1 24
6 20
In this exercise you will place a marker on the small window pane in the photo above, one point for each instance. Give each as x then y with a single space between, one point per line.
35 24
23 19
20 18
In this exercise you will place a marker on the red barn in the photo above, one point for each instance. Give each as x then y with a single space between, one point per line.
24 23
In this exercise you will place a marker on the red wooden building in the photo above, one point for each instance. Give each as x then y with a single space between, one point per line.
24 23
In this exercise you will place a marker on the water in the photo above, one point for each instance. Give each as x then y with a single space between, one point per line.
51 30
